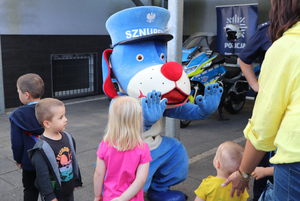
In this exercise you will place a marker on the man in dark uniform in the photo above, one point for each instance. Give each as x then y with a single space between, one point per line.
256 47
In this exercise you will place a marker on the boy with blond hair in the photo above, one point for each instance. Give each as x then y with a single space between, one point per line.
53 155
25 130
226 161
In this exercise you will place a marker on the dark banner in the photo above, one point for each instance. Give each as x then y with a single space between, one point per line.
243 15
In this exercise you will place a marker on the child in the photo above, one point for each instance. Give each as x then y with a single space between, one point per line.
123 158
53 156
226 161
25 130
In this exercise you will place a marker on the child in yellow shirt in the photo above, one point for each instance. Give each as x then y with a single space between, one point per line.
226 161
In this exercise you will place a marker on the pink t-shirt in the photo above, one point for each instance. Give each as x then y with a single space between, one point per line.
121 169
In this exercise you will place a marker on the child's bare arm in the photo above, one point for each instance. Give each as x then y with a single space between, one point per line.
261 172
198 199
99 179
137 185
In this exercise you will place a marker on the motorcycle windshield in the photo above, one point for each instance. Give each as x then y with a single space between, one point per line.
186 53
198 61
210 76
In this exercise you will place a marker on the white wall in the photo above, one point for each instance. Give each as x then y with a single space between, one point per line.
66 17
88 17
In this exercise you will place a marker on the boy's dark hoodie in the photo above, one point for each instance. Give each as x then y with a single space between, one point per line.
25 130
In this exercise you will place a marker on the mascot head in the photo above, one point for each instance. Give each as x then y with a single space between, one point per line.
138 59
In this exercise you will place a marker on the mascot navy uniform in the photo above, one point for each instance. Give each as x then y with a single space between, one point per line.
138 61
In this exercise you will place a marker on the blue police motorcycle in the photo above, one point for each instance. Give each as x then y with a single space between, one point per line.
205 66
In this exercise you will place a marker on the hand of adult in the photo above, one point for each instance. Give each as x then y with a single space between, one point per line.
237 184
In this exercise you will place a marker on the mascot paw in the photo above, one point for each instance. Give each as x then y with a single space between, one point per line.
167 195
211 100
153 108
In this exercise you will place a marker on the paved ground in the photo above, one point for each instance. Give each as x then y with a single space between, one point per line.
87 118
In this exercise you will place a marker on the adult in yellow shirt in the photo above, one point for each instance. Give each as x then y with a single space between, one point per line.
275 121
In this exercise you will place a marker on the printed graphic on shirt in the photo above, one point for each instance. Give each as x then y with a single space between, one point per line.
64 162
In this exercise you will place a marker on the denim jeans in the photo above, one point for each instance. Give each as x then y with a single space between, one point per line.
267 194
287 182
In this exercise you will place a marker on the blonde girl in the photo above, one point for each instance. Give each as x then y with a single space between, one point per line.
123 158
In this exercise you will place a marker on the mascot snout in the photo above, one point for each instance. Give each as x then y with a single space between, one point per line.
178 95
169 77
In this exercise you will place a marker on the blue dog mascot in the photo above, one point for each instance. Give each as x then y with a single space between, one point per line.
138 61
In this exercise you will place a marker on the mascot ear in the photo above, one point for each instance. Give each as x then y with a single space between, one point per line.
108 86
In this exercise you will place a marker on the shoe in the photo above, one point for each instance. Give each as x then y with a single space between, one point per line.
168 195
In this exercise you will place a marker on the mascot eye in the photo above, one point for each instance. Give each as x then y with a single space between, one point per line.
162 56
139 57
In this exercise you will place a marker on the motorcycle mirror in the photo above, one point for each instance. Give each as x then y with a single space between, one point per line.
209 53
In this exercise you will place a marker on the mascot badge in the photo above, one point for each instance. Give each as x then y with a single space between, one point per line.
138 61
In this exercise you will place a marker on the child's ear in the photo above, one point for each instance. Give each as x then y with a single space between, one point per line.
46 124
27 95
218 164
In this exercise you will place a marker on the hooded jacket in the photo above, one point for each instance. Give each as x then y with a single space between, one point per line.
25 130
44 161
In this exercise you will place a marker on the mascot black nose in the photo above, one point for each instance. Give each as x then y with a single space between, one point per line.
172 70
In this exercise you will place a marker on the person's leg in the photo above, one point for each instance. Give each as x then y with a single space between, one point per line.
31 193
287 182
173 171
71 197
169 166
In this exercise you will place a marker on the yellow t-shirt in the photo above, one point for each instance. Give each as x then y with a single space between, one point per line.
210 190
275 121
